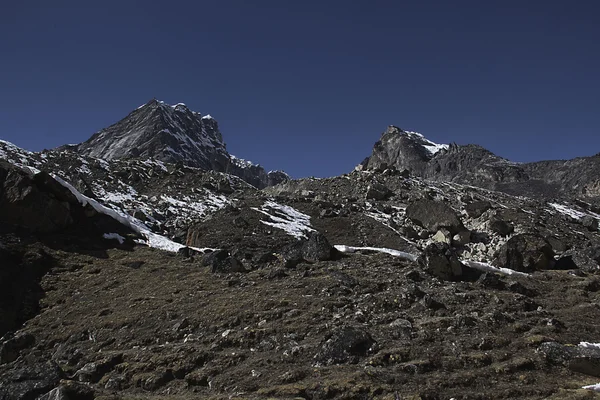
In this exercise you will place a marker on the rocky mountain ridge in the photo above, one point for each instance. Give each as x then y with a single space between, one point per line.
172 134
473 165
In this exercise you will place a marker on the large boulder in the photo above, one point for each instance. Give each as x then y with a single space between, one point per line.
221 261
584 358
377 191
27 382
477 208
434 215
34 203
441 261
526 253
345 345
315 248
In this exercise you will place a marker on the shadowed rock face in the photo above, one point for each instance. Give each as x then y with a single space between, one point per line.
474 165
173 134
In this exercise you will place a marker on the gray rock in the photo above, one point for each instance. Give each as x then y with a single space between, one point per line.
590 223
346 345
221 261
11 346
439 260
434 215
377 191
501 227
526 253
477 208
581 359
27 382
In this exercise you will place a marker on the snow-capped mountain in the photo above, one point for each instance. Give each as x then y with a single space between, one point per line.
173 134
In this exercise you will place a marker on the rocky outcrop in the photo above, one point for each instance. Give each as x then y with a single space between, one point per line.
526 253
474 165
434 215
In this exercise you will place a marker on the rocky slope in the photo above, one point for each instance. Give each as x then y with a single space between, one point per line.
172 134
474 165
374 284
136 276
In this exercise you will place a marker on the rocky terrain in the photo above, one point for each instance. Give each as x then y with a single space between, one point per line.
473 165
134 277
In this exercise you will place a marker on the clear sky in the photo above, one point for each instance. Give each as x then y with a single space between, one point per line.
308 86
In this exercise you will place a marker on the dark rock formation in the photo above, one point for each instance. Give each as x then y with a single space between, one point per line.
345 345
526 253
434 215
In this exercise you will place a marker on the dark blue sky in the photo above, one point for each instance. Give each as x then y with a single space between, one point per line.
308 86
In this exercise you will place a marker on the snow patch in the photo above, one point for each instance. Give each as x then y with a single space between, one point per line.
567 211
595 388
286 218
151 239
431 147
396 253
114 236
490 268
588 345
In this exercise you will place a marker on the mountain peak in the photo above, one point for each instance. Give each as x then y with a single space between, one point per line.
173 134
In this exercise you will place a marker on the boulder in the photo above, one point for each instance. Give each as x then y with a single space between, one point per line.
27 382
583 259
526 253
439 260
378 191
500 227
32 203
11 345
345 345
477 208
584 358
434 215
315 248
590 223
223 261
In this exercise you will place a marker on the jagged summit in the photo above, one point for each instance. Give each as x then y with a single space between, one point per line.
403 150
174 134
475 165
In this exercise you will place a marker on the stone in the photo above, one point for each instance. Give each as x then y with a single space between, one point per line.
442 236
11 346
345 345
526 253
221 261
434 215
500 227
26 381
439 260
590 223
377 191
477 208
462 238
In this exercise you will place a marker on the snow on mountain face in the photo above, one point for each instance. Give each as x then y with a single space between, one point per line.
159 200
431 147
172 134
167 133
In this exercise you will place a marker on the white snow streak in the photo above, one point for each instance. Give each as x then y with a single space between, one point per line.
114 236
286 218
396 253
151 238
